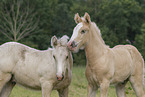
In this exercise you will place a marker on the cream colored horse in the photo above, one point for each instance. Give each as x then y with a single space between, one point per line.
35 69
106 65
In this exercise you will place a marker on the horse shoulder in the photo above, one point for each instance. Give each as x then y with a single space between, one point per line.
47 66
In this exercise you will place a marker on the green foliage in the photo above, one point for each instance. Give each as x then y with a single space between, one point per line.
79 59
121 17
140 41
109 37
18 19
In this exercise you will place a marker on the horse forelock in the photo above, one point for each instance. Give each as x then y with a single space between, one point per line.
63 40
83 19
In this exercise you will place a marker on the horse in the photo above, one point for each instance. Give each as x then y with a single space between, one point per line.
44 70
105 65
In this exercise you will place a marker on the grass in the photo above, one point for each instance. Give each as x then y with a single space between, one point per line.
78 88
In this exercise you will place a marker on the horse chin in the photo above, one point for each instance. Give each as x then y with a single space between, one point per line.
76 50
82 47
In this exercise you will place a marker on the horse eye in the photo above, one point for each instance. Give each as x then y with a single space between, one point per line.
83 31
66 57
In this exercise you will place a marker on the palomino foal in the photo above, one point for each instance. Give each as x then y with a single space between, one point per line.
39 70
106 65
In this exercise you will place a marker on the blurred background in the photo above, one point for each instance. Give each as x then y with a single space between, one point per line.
34 22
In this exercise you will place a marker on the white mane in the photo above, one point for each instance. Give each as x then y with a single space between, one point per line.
97 31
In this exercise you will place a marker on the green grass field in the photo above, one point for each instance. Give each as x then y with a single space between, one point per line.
78 88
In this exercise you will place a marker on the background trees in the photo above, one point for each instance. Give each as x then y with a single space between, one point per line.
17 19
140 40
120 21
121 17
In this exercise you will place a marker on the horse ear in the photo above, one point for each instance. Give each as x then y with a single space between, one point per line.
77 18
54 41
87 18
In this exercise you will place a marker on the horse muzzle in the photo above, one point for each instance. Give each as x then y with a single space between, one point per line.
60 77
72 45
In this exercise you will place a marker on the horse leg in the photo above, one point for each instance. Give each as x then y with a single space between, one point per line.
92 91
120 89
7 89
137 85
46 89
63 92
104 86
4 78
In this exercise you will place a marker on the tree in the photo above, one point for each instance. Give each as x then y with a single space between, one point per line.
62 20
122 17
140 41
17 19
55 19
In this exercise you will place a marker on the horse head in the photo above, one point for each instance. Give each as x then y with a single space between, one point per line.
60 55
80 33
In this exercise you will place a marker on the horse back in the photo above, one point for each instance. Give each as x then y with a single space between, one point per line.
13 53
132 51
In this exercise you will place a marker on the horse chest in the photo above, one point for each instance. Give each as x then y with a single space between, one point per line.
91 77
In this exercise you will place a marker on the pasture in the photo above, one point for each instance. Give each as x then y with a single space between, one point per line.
78 87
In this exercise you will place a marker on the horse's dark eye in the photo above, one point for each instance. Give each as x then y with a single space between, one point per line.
53 56
83 31
66 57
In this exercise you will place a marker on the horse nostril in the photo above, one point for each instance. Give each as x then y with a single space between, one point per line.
73 44
60 78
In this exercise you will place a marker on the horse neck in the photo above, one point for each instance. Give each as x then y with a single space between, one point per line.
95 47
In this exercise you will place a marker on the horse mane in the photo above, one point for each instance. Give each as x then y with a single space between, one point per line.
96 31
